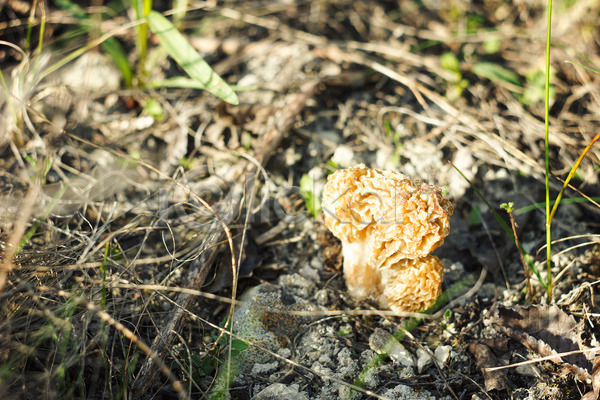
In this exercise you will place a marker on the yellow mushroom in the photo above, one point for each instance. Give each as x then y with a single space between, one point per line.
384 219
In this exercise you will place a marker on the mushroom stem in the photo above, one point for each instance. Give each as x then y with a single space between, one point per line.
361 277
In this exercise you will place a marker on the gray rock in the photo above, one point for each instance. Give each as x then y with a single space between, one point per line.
264 318
298 285
528 370
310 273
403 392
424 360
453 271
487 291
442 354
264 369
279 391
382 341
343 156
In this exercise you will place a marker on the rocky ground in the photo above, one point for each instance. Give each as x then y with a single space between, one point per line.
182 252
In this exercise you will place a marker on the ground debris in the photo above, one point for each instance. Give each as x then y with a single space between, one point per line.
494 380
548 331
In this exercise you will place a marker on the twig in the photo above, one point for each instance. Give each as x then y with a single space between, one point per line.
509 209
200 268
12 246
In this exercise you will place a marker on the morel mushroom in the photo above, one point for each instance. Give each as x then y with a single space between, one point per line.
388 225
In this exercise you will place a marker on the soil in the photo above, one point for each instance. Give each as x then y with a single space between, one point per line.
182 252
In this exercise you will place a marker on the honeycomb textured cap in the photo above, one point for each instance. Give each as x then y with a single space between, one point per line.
411 285
399 218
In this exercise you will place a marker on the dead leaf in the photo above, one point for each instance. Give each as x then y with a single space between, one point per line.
494 380
593 395
547 330
222 276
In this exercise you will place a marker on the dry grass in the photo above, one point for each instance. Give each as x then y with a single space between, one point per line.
134 217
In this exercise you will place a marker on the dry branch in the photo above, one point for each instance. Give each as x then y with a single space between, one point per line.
201 266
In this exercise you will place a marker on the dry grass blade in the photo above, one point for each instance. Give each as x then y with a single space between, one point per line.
571 173
171 197
546 358
135 340
200 268
19 226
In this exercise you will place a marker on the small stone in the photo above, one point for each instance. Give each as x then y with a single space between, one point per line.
298 285
424 360
264 369
321 297
528 370
442 354
279 391
343 156
487 291
310 273
284 352
454 270
382 341
316 263
404 392
263 319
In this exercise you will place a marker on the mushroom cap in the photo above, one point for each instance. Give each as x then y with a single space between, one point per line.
397 217
411 285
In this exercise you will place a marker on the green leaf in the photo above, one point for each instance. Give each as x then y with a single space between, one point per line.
239 345
113 48
180 8
311 200
72 8
450 62
496 73
188 58
208 366
508 207
492 46
344 332
154 109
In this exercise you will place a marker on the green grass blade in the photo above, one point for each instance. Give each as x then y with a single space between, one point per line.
42 31
547 152
72 8
496 73
142 9
176 82
188 58
586 67
113 48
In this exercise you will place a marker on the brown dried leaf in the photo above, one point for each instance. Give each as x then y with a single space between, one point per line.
498 345
494 380
596 377
589 396
548 331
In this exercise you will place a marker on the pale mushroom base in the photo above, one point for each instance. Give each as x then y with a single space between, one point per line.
410 285
361 277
